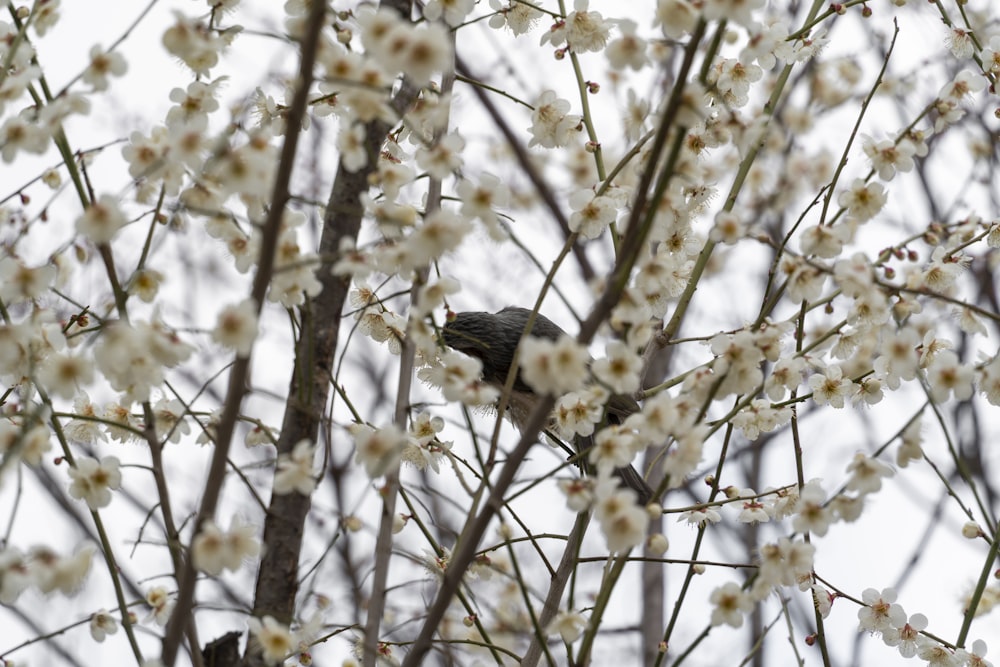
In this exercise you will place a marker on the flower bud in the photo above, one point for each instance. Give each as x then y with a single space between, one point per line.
657 544
971 530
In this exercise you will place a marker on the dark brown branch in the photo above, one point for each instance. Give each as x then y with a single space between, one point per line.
277 578
240 371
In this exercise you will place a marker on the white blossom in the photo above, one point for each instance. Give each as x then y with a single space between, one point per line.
582 31
731 604
830 387
569 624
881 611
102 624
275 640
518 16
51 572
22 283
629 50
888 157
812 513
619 370
551 123
103 64
553 367
215 550
866 474
295 471
452 11
622 521
93 480
378 449
236 327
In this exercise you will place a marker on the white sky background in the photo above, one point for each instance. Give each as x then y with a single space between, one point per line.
852 556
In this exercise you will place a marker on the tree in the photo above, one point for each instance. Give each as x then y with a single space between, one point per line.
226 390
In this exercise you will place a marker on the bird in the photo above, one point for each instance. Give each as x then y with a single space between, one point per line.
492 338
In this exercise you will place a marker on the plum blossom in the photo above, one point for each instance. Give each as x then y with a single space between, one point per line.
947 376
906 636
578 412
294 276
295 471
103 64
582 31
863 200
194 103
812 513
161 605
423 448
738 11
942 271
634 116
830 387
701 516
622 521
591 214
458 376
101 220
675 17
629 50
443 158
276 641
14 574
960 43
428 51
452 11
731 604
974 658
351 144
194 43
964 84
86 430
21 132
614 447
553 367
518 16
888 157
215 550
93 480
22 283
569 625
133 357
551 123
881 612
64 374
51 572
732 78
579 493
783 563
378 449
866 474
168 419
480 201
236 326
102 624
728 229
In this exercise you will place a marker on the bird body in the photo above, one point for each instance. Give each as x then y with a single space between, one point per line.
493 339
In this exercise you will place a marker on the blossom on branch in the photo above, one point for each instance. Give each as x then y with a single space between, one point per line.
93 480
295 471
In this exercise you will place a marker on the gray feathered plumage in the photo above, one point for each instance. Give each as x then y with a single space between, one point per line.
493 337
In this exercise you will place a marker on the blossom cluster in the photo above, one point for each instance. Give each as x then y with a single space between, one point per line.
43 568
882 615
